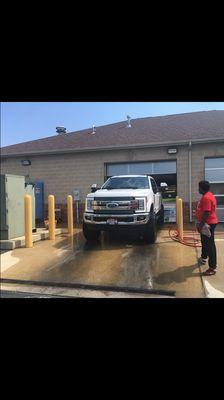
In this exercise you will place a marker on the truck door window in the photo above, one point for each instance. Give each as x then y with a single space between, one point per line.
154 186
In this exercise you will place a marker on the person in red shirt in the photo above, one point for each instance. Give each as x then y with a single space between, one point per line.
206 214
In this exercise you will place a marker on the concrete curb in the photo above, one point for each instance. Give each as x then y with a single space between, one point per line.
20 241
211 291
200 270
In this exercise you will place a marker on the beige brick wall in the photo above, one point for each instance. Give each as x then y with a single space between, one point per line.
62 173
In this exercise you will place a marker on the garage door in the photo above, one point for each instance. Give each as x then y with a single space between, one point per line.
151 168
214 173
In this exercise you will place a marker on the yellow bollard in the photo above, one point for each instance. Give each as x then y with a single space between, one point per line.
177 205
51 216
70 214
28 221
180 219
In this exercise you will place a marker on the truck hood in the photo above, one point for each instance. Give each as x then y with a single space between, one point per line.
120 193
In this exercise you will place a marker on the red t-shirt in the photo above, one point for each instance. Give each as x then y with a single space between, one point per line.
207 203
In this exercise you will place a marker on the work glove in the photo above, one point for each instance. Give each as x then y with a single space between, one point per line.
199 226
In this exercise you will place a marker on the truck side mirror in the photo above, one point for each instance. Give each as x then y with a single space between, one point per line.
94 188
163 186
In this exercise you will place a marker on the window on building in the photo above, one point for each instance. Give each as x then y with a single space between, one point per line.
214 173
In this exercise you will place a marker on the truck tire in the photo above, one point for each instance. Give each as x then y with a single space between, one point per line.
90 235
151 231
161 215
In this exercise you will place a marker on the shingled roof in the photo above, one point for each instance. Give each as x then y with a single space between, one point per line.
180 128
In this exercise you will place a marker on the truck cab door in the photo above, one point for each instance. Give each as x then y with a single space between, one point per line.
157 201
156 196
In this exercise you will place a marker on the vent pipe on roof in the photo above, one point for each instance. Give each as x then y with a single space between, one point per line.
94 130
60 130
129 121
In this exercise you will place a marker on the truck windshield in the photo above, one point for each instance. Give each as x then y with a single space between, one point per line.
138 182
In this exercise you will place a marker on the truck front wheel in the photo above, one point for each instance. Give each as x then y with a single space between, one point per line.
161 215
90 235
151 230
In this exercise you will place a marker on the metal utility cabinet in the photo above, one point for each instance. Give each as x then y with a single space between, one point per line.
39 200
12 206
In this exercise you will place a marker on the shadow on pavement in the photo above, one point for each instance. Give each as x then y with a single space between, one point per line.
107 241
179 275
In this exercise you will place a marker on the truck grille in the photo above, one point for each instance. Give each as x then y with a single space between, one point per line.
115 205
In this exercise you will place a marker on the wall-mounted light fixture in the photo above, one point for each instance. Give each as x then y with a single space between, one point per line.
172 151
25 162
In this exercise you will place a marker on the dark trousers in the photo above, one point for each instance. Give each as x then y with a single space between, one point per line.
209 248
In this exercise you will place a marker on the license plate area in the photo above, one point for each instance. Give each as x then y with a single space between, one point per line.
112 221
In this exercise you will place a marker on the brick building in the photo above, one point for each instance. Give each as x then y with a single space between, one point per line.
178 149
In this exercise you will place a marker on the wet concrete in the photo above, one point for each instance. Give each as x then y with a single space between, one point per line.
114 261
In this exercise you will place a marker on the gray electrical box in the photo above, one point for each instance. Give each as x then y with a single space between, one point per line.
12 206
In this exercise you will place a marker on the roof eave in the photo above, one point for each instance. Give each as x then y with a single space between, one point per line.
119 147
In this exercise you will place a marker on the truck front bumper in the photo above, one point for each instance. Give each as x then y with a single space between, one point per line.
124 219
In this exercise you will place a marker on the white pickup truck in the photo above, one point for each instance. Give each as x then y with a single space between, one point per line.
124 202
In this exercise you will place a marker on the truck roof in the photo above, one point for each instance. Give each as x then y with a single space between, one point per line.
129 176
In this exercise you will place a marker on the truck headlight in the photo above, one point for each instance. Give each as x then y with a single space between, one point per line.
89 204
141 204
